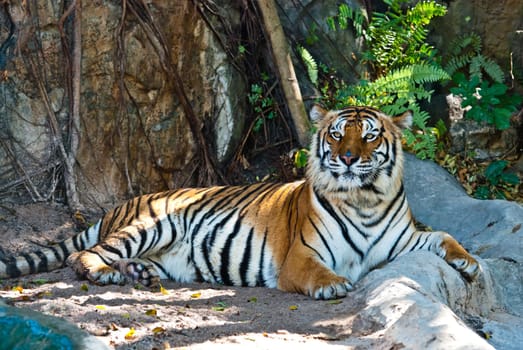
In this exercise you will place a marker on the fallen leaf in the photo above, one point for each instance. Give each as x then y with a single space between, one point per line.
18 289
163 290
130 334
44 294
196 295
151 312
84 287
100 307
126 315
40 281
293 307
252 300
24 298
335 301
220 306
158 330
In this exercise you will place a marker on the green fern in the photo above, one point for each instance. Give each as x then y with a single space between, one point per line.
466 51
468 42
408 76
310 63
398 37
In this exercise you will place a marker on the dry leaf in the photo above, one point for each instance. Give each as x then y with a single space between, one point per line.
151 312
158 330
163 290
196 295
293 307
130 334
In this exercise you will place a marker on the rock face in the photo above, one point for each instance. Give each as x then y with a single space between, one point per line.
134 135
485 141
492 230
497 22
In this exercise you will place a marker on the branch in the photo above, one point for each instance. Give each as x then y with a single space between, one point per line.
282 59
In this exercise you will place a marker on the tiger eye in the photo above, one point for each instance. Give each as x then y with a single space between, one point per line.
370 137
336 135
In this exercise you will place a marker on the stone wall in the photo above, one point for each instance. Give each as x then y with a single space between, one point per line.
134 135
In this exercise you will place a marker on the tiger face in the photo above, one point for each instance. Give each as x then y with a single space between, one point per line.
355 146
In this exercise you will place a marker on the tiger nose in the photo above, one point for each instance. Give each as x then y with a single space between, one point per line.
349 158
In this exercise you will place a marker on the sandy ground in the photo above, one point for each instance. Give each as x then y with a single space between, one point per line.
192 316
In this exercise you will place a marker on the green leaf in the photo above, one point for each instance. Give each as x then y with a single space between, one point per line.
310 63
300 158
482 192
501 117
510 178
494 170
498 89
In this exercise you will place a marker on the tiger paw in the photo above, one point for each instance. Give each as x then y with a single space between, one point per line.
90 266
467 266
458 257
139 271
334 290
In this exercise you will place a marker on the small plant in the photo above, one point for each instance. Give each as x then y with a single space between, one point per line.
479 81
263 106
486 102
498 181
395 38
465 51
301 157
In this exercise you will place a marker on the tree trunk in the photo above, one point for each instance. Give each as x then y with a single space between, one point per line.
282 58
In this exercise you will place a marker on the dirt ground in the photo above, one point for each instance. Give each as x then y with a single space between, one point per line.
191 316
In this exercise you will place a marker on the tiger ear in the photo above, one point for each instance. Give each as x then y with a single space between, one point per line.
403 121
317 113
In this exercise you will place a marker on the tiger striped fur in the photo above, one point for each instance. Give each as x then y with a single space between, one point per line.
317 236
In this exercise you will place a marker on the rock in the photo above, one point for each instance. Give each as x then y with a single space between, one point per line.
490 229
497 22
481 140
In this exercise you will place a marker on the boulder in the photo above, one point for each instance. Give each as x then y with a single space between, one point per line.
490 229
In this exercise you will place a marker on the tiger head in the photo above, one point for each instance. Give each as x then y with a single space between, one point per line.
356 147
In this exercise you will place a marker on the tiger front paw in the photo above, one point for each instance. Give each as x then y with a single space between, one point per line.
467 266
337 288
458 257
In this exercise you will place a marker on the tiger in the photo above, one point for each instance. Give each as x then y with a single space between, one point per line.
317 236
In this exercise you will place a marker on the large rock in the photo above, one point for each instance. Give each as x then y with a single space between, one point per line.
491 229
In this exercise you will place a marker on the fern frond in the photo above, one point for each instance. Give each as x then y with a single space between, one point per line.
456 63
493 70
310 63
408 76
424 11
471 41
